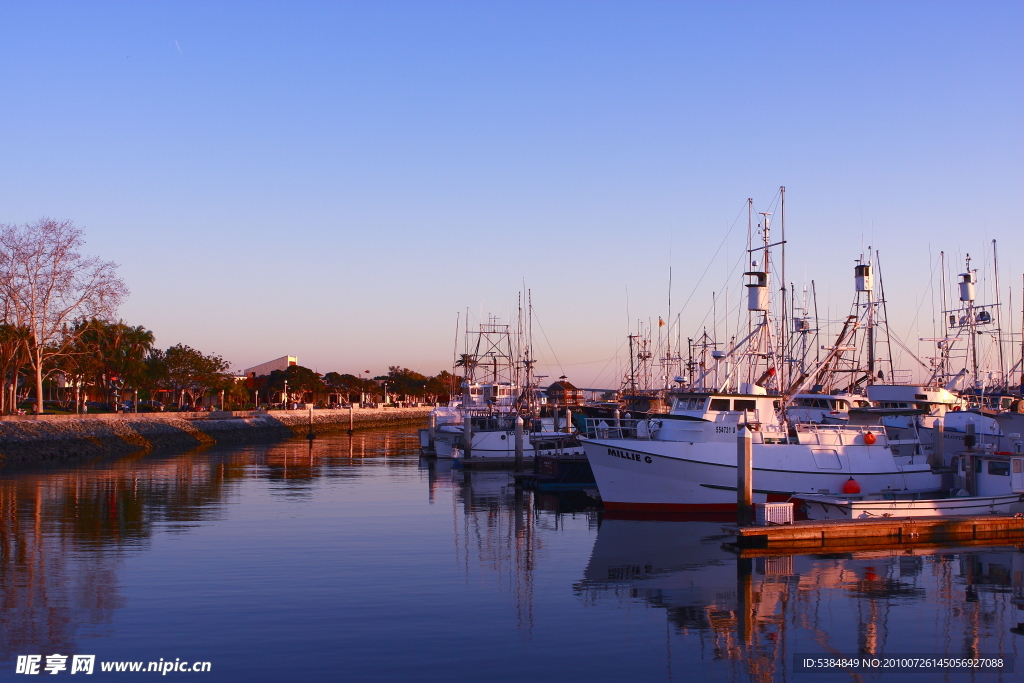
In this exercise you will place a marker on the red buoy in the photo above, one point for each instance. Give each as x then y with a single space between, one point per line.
851 486
869 438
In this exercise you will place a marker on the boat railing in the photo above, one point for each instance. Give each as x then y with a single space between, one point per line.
616 428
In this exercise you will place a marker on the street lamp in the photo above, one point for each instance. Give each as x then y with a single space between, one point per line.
286 394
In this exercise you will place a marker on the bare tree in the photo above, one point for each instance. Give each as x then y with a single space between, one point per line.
47 285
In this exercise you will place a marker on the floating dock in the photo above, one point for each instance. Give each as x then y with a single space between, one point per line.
843 535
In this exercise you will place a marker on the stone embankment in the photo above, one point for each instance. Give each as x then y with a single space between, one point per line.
60 438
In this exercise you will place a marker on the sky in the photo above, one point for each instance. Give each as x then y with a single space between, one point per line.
342 181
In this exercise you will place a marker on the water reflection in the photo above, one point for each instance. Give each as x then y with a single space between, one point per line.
64 532
751 614
364 539
504 529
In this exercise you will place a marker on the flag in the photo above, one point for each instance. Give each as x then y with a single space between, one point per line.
661 323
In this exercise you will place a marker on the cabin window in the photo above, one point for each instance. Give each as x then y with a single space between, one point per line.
719 404
841 405
862 404
1000 468
690 403
977 465
776 404
745 404
1016 465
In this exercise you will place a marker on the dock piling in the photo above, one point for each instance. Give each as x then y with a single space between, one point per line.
970 476
519 443
744 477
938 445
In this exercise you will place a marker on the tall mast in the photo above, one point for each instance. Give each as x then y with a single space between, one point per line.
871 329
632 366
784 341
967 296
750 244
944 349
999 317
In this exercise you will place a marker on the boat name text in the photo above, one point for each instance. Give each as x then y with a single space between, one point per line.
626 455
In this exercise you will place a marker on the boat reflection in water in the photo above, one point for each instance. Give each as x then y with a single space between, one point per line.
747 617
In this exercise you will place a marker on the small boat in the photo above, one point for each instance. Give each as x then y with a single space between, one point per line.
818 507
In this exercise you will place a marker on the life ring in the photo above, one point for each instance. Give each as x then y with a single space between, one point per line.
870 438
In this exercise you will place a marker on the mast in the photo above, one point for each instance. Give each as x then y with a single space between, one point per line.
999 317
817 325
944 350
885 312
632 366
750 244
967 296
784 341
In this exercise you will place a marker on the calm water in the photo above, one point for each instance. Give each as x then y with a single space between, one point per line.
357 561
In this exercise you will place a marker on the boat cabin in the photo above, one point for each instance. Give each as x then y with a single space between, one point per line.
756 408
480 395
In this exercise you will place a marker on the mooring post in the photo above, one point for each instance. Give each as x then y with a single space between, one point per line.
351 418
970 475
431 426
519 443
618 424
311 435
744 477
938 444
568 421
554 418
467 435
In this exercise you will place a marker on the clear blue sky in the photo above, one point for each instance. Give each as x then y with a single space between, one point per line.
337 180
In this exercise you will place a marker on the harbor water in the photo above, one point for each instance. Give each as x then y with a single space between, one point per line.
351 558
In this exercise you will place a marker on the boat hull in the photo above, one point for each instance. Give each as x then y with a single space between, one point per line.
673 476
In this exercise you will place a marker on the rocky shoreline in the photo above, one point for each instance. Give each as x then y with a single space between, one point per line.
68 438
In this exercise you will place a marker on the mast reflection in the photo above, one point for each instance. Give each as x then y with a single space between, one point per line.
749 615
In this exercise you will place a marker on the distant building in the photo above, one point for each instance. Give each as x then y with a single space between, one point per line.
282 363
564 393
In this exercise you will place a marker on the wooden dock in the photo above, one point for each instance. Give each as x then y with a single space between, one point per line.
845 535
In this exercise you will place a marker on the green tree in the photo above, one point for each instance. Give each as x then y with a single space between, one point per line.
301 381
15 343
190 374
406 383
46 284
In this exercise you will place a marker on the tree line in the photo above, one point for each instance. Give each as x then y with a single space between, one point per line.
400 384
57 334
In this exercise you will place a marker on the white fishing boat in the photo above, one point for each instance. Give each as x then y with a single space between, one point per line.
686 460
819 507
497 388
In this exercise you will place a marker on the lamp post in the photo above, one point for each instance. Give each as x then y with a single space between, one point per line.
286 394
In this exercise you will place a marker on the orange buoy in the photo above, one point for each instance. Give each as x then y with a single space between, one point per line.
869 438
851 485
